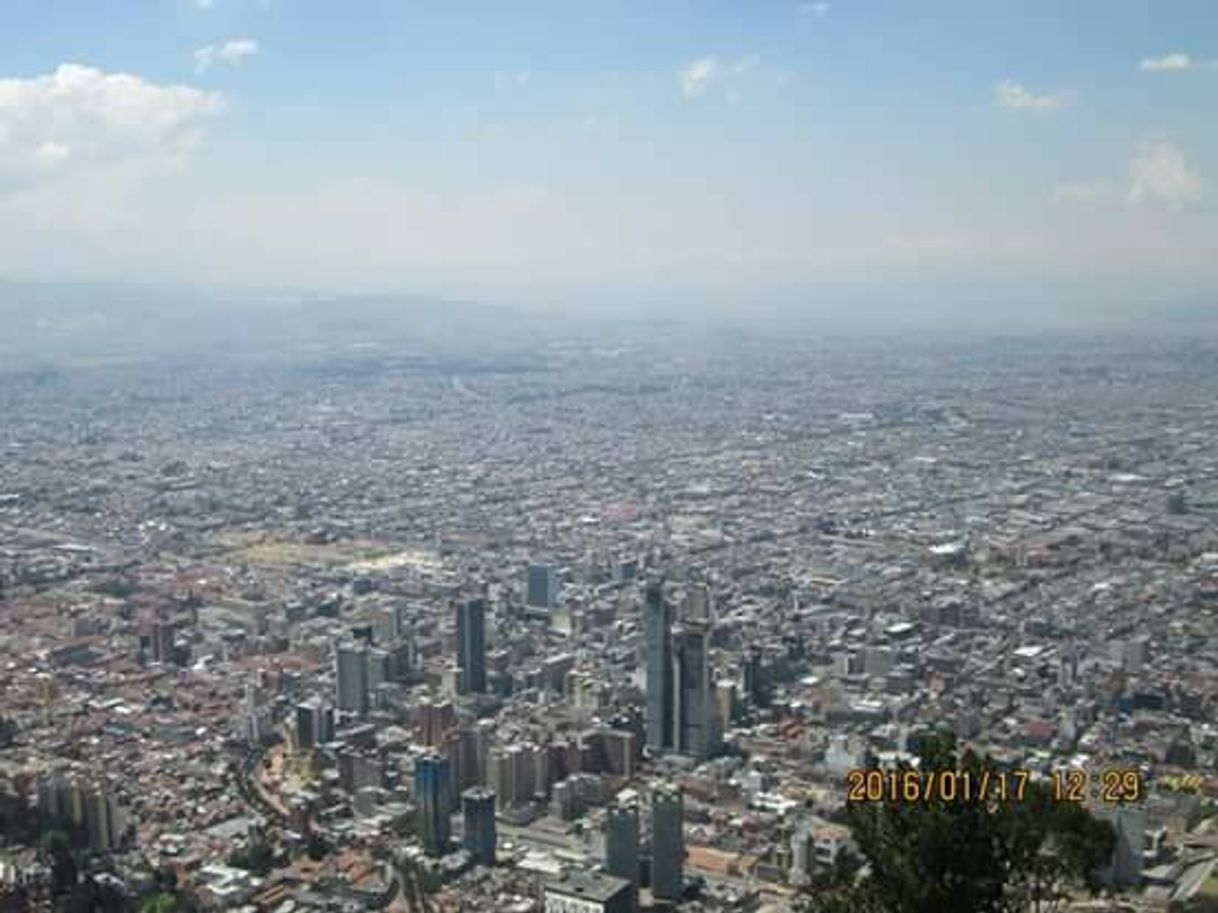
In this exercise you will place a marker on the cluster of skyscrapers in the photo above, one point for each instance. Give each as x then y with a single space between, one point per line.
625 851
433 790
89 806
314 724
680 711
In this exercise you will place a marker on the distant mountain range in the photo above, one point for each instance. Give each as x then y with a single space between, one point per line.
56 324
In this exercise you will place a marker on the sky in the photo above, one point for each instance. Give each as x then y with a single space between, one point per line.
726 154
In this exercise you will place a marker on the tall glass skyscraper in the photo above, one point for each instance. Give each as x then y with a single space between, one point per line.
432 793
478 814
541 590
351 678
657 647
471 645
622 843
693 701
667 844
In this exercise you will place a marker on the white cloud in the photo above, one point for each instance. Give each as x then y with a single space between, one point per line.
1010 94
205 5
1083 190
233 52
819 10
1159 174
707 72
1175 61
79 116
698 75
52 153
743 65
478 234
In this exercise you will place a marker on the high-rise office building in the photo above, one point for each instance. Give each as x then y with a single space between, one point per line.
162 642
380 669
450 750
528 770
518 773
402 660
256 726
725 709
622 842
432 793
693 710
620 752
471 645
90 806
626 569
385 627
541 590
801 855
351 678
308 724
358 771
697 603
667 844
1128 853
325 726
657 659
755 679
478 813
475 746
435 719
52 795
104 819
500 776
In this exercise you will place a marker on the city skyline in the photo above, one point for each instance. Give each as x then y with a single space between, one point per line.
711 456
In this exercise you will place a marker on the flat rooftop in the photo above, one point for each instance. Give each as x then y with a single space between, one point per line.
593 886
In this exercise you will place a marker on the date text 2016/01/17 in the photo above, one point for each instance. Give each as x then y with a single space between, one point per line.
1072 785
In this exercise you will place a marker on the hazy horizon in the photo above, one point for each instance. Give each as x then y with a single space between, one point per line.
722 159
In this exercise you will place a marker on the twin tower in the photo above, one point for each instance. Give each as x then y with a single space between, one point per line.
680 712
680 707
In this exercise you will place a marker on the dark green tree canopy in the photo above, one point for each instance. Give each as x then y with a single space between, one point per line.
965 856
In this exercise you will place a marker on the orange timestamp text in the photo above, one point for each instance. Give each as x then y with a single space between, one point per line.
1002 785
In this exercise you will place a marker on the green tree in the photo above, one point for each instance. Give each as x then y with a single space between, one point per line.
966 856
57 848
317 847
91 896
117 588
160 902
258 858
837 888
165 895
1051 846
1195 904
